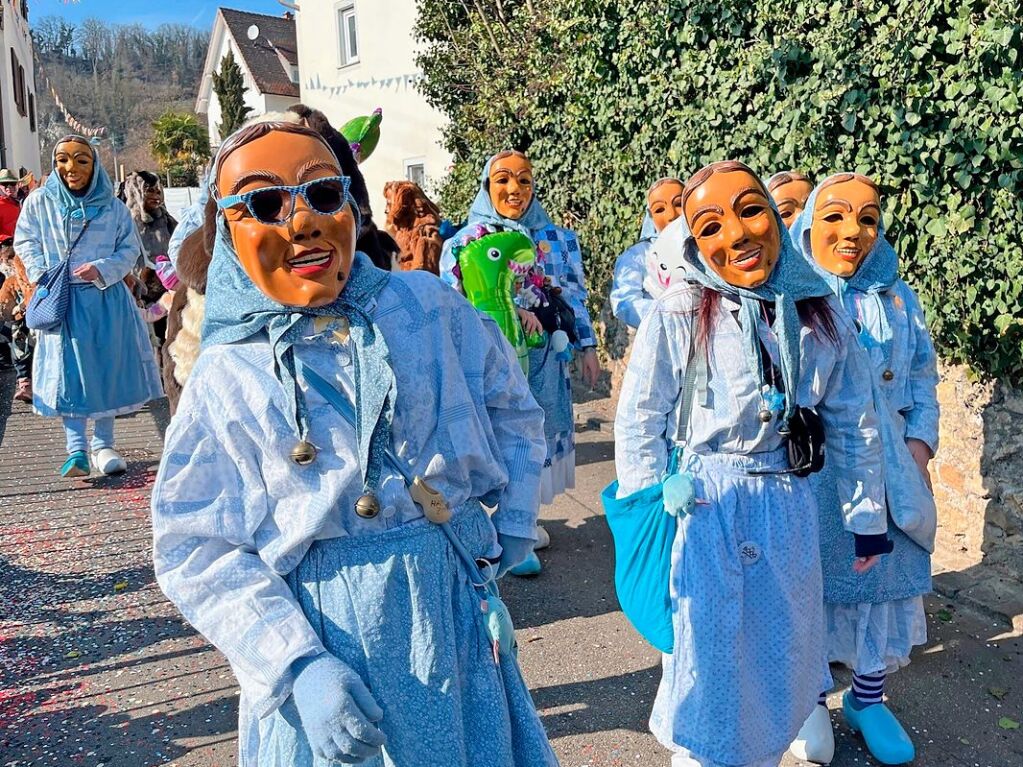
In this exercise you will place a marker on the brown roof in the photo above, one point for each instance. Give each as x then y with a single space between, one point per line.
263 55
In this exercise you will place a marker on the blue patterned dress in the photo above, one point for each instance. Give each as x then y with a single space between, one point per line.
746 572
100 361
269 560
559 254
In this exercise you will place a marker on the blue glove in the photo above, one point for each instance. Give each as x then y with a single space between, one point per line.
514 551
338 711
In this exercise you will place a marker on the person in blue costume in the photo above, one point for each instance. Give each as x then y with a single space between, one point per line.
284 526
873 622
506 200
745 580
99 363
632 289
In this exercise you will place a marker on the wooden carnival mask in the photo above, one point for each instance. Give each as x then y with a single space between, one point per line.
664 202
790 192
845 224
730 216
297 248
74 164
510 184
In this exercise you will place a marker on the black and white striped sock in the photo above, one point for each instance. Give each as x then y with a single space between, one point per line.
868 688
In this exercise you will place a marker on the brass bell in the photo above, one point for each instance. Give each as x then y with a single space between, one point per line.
367 506
765 416
888 375
303 453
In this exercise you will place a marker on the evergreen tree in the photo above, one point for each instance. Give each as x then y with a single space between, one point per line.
230 90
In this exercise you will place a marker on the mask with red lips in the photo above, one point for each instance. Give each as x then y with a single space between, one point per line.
306 260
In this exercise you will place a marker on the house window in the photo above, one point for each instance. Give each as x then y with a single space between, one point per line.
415 171
348 36
18 83
32 112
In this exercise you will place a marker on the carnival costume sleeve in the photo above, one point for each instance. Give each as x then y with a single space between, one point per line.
517 423
922 419
574 287
650 392
28 241
852 432
209 503
629 302
127 248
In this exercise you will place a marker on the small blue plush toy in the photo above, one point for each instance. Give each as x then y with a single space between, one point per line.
499 626
679 493
560 344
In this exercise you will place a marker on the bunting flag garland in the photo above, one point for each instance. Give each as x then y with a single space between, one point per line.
397 81
74 123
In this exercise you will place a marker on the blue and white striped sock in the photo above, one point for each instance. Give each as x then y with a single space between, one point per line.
822 699
868 689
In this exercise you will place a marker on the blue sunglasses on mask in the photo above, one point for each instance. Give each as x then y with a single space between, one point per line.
275 205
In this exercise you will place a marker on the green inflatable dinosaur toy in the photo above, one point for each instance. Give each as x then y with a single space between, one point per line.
489 266
363 133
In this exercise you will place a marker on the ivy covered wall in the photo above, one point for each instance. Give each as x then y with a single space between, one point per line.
925 96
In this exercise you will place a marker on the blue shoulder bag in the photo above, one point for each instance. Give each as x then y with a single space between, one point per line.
643 527
48 306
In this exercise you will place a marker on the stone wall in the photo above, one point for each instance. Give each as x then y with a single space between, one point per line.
978 474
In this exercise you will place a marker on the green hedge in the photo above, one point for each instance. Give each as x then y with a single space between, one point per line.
922 95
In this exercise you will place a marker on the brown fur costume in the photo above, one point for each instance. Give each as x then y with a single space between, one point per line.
414 222
16 289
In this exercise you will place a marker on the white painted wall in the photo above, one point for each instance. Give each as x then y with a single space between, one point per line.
21 143
256 101
411 129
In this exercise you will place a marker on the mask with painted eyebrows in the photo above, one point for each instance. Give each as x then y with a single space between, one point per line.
664 202
731 219
845 224
511 185
304 259
790 192
74 164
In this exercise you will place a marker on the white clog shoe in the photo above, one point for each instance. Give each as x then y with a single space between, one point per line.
816 739
108 461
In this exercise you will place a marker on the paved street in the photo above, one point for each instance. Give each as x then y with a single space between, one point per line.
98 669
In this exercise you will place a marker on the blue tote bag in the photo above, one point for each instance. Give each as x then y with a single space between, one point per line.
48 305
643 534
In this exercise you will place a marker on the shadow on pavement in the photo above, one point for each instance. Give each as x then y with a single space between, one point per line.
577 580
596 705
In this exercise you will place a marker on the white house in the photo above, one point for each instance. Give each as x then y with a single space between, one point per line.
264 47
19 141
358 55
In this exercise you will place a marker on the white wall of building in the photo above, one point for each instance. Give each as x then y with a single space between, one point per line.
411 129
255 100
21 143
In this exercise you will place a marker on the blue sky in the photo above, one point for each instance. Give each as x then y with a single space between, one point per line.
150 13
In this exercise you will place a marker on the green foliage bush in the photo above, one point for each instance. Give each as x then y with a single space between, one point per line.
925 96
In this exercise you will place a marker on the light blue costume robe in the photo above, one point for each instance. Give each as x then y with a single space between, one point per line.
549 378
100 361
874 620
269 560
745 580
630 301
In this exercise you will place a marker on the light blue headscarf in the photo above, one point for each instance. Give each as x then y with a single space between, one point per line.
648 232
879 269
483 212
236 310
791 280
97 196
